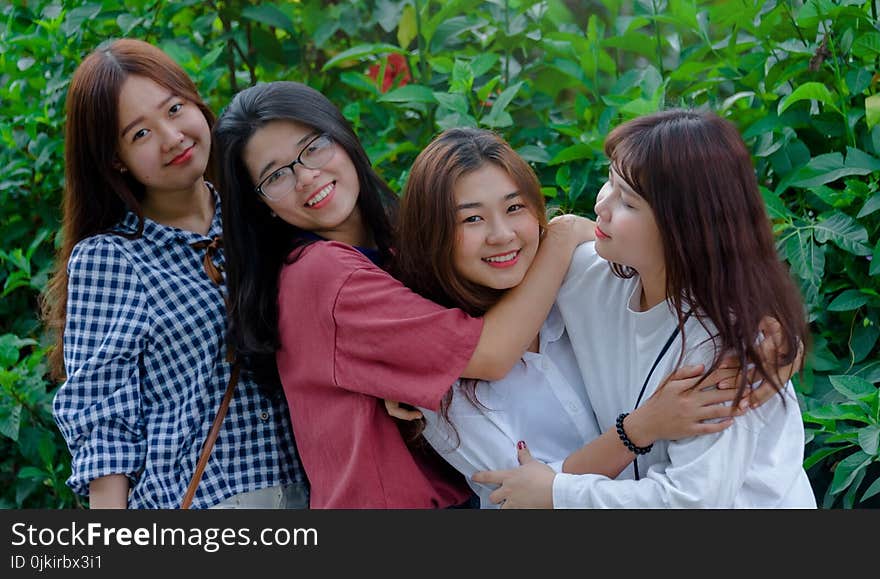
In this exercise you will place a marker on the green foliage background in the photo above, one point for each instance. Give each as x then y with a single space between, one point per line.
799 78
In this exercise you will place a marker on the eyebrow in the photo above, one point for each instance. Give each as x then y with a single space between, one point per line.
273 162
141 118
507 197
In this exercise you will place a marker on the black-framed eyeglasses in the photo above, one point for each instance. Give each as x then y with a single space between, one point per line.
280 182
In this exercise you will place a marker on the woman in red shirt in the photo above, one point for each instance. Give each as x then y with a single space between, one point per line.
308 231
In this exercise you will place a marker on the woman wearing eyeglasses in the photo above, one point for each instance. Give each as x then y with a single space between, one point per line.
308 230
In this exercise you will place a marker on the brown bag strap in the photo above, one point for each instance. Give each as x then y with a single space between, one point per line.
211 439
216 276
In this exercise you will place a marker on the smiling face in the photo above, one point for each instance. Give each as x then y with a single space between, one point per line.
323 200
164 139
497 234
626 230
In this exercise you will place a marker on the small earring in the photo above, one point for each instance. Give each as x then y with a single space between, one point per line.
273 214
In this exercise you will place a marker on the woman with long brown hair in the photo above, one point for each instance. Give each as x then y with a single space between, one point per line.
470 223
684 270
137 302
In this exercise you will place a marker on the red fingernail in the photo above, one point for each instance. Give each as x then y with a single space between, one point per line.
521 444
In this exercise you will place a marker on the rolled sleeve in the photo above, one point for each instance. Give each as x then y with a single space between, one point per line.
392 343
98 408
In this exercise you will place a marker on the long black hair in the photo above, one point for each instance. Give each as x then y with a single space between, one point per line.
258 245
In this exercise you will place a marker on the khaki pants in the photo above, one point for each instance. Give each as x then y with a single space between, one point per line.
292 496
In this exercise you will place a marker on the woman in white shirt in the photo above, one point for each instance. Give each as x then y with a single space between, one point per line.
471 220
683 270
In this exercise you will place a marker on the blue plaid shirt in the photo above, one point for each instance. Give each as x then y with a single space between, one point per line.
145 355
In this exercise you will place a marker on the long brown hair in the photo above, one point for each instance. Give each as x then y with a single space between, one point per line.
695 172
427 225
96 194
426 230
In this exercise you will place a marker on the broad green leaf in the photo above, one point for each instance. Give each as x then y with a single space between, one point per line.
848 300
847 469
10 416
504 98
858 159
549 192
834 413
358 53
572 153
858 80
268 14
406 28
454 102
871 490
867 46
775 206
411 93
869 439
817 456
872 111
806 258
870 206
32 472
808 91
483 63
534 154
853 387
844 231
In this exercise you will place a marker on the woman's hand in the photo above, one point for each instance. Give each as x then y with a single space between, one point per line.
571 229
682 404
528 487
396 410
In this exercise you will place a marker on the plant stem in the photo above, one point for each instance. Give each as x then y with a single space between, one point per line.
659 41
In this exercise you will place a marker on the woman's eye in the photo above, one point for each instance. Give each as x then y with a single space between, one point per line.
472 219
175 108
515 207
140 134
274 176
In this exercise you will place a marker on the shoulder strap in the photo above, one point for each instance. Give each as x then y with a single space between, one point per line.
211 439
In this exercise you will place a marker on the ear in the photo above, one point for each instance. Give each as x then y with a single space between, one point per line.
117 165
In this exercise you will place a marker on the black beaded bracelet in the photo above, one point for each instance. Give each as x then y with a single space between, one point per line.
625 439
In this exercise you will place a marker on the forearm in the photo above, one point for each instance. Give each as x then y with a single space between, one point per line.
511 324
607 455
109 492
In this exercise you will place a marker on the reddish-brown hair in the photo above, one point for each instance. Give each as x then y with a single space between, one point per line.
96 194
694 170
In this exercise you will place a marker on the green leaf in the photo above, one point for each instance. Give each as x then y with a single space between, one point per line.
268 14
549 192
871 490
848 300
411 93
875 260
534 154
572 153
870 206
853 387
869 439
454 102
406 28
834 412
32 472
10 418
847 469
358 53
817 456
844 231
867 46
808 91
806 258
872 111
500 104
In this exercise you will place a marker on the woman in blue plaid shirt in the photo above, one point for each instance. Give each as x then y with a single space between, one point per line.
137 302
